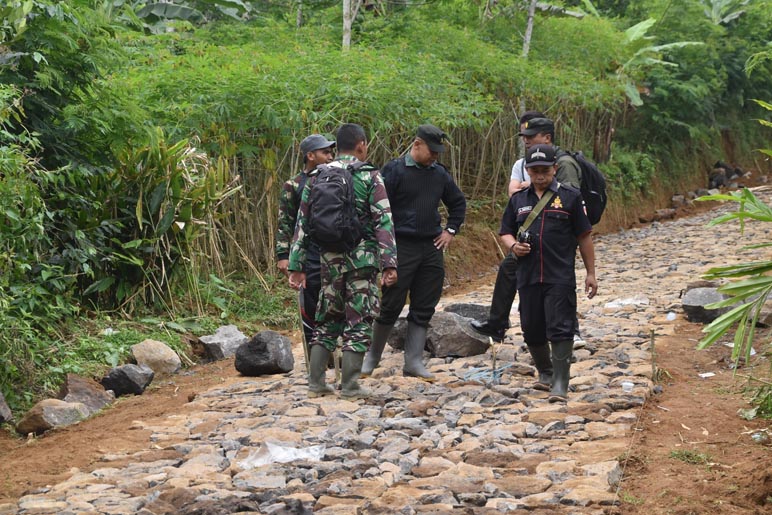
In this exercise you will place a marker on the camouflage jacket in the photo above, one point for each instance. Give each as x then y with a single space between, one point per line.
289 203
378 247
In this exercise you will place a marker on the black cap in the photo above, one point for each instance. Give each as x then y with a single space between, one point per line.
536 126
540 155
433 136
314 142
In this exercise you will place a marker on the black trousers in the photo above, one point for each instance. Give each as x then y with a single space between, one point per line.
503 293
421 273
547 313
310 295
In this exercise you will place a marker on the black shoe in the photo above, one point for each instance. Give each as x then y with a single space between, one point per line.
486 329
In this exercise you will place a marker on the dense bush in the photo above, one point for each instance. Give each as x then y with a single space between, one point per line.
141 156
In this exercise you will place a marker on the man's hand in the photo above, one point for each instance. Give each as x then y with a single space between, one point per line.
521 249
389 277
283 266
297 280
442 242
590 286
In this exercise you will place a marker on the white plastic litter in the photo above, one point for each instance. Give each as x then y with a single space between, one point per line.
638 300
706 375
731 346
671 316
627 386
107 331
280 453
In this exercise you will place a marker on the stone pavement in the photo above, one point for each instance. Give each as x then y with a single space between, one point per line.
466 444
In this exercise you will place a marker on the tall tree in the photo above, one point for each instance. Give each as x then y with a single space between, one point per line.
350 10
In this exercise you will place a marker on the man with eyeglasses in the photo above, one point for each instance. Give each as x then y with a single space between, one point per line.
316 150
416 184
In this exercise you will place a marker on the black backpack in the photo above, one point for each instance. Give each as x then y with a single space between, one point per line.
332 216
593 186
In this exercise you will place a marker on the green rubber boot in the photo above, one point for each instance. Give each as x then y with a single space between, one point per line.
543 364
414 350
381 333
561 366
317 366
352 368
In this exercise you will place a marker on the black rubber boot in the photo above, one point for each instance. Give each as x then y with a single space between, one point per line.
561 367
414 350
351 370
488 329
317 366
543 364
381 333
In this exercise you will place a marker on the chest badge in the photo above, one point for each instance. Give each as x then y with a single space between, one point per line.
557 204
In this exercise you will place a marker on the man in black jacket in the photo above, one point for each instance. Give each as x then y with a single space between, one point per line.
542 226
416 184
535 129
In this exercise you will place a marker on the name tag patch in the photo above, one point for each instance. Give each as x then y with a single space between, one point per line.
524 210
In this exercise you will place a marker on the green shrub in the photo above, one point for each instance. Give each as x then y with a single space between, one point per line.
630 172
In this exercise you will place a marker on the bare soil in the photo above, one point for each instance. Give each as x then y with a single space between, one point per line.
29 464
691 453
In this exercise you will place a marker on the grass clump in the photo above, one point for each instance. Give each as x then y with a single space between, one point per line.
690 457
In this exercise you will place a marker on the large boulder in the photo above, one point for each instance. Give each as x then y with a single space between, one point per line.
128 379
695 301
50 413
449 335
158 356
86 391
267 352
468 310
5 411
223 343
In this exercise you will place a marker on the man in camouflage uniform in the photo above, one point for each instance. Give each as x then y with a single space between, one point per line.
316 150
349 297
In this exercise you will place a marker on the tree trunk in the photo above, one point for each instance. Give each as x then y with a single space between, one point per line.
529 28
299 18
347 19
526 49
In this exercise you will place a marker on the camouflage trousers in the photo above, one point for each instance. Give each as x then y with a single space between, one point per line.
348 304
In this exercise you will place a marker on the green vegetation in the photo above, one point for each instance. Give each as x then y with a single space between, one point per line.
143 145
628 498
691 457
750 284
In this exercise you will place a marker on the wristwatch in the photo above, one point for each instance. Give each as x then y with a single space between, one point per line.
451 230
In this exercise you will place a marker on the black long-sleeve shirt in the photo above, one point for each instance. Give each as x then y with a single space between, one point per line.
415 193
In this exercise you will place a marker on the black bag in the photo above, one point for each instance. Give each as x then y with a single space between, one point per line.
332 216
593 186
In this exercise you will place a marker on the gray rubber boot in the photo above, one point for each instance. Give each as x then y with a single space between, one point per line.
351 369
317 366
414 350
543 363
381 333
561 366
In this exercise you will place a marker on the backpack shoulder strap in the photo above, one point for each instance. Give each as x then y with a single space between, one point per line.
297 193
